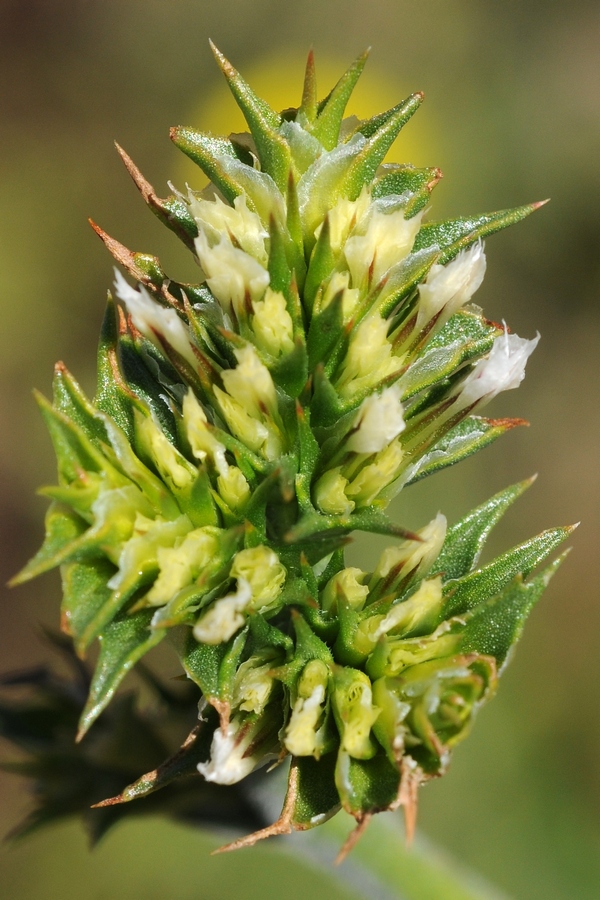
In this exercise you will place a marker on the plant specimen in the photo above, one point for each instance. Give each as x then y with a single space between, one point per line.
244 426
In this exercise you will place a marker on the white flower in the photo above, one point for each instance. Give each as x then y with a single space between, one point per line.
202 441
413 556
339 281
449 287
369 358
238 220
376 476
225 616
180 565
344 216
502 370
260 569
330 494
152 319
250 383
228 763
380 419
272 324
300 735
231 273
388 238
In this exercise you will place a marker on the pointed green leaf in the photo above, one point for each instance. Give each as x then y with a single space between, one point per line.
321 265
324 331
112 394
468 592
496 626
290 372
307 113
63 527
209 153
85 592
468 437
122 643
457 234
272 149
331 110
372 154
466 538
195 749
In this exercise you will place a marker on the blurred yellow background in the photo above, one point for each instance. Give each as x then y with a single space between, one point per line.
512 114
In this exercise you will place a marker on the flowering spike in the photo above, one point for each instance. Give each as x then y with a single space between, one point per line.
246 425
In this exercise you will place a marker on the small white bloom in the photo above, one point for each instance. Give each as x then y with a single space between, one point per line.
150 319
300 734
231 273
260 569
237 220
502 370
171 464
225 616
330 494
421 607
253 685
250 383
180 565
347 585
233 488
380 419
202 441
340 281
227 763
272 324
449 287
376 476
369 357
414 556
388 238
344 216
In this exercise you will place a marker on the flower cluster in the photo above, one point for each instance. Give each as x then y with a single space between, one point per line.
244 426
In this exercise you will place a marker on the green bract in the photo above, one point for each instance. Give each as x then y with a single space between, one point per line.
244 426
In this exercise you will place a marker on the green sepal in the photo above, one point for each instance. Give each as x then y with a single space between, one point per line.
468 592
147 386
69 399
324 332
331 110
122 643
74 450
307 450
457 234
195 749
322 262
112 393
263 634
349 620
229 666
398 179
290 372
207 665
308 647
469 436
85 592
366 785
365 165
315 798
273 151
63 527
495 626
208 152
466 538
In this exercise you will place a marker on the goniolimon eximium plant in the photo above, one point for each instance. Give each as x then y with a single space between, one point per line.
244 426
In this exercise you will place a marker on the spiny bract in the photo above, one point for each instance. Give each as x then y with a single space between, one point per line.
244 426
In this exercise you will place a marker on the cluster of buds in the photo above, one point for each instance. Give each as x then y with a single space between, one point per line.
244 426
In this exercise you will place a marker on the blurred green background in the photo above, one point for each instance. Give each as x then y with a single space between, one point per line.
512 115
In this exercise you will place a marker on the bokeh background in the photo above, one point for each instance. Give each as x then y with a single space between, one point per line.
512 114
